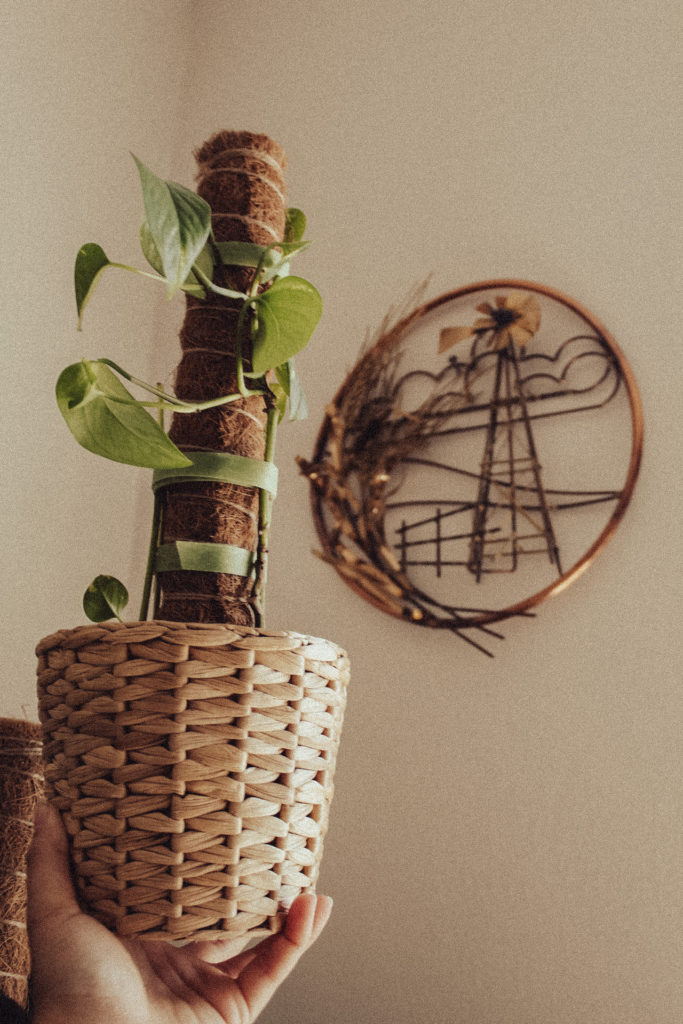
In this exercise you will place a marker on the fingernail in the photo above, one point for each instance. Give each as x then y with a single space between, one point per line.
322 914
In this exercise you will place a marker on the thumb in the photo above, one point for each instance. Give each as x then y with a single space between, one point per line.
277 956
50 887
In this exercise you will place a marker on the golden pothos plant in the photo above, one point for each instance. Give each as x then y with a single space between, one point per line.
277 316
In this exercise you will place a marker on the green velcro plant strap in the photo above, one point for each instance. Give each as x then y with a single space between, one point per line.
222 468
185 554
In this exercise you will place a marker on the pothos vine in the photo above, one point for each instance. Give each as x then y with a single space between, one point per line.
277 315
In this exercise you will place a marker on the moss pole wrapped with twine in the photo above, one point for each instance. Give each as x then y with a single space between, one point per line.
21 783
241 177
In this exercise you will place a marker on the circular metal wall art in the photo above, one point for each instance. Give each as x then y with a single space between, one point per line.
477 458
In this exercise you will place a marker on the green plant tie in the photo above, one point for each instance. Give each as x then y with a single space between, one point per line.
184 554
212 467
221 468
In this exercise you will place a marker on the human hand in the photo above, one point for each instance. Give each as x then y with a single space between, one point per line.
84 974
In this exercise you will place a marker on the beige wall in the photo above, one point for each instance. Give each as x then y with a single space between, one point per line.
505 844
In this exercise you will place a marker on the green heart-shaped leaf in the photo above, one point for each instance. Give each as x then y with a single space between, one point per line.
288 314
105 598
107 420
179 222
91 260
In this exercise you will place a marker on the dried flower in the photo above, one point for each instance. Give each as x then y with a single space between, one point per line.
515 317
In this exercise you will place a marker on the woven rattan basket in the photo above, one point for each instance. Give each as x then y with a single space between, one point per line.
193 767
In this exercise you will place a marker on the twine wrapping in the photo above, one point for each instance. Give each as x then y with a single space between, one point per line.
193 768
21 783
241 176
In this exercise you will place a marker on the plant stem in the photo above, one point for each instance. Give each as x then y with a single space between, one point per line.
229 293
155 534
186 407
151 555
135 270
172 403
265 509
239 361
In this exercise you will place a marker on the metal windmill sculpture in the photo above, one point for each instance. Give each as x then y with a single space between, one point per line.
495 513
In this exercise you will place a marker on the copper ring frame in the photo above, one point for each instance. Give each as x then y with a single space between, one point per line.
522 607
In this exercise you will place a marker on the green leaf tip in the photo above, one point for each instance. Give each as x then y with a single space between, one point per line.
295 224
287 390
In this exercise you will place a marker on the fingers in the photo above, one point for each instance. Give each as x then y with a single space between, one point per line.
306 919
50 887
218 950
276 957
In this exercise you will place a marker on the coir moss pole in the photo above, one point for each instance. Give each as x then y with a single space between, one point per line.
241 176
21 783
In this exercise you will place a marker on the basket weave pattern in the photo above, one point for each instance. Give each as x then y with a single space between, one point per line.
193 768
